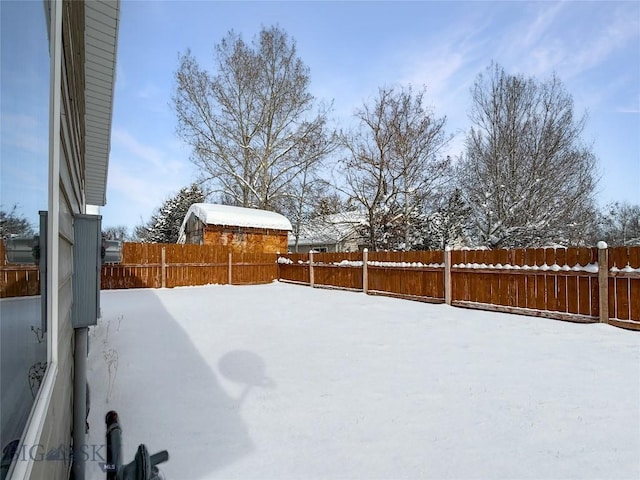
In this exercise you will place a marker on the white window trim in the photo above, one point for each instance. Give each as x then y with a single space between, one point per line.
33 431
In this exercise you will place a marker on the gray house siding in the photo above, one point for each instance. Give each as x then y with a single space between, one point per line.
82 40
58 425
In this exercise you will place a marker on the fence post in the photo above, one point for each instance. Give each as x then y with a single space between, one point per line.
447 275
603 281
230 269
311 279
365 273
164 268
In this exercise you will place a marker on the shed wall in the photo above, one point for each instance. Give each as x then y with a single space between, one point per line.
246 240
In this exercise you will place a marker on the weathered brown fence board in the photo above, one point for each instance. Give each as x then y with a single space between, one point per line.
192 275
634 296
327 273
17 280
624 285
185 265
206 254
338 276
297 271
539 281
425 257
252 268
425 281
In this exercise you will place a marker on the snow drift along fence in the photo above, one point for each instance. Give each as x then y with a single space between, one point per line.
154 265
555 283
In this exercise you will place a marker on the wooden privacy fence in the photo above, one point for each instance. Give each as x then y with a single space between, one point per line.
415 275
154 265
575 284
17 280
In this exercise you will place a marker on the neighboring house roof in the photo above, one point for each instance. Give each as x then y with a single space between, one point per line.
213 214
100 39
331 229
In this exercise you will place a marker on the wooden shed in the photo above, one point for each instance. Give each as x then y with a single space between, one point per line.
242 230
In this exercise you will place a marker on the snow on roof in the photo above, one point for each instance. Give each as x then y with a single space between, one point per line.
213 214
331 228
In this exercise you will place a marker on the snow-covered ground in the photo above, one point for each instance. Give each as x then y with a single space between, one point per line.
287 382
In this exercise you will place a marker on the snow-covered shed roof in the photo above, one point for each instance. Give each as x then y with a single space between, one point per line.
213 214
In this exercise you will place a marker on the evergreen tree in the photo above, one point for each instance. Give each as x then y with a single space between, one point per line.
165 223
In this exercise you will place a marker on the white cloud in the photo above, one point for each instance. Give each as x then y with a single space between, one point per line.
141 176
627 110
137 189
535 31
557 41
153 156
620 30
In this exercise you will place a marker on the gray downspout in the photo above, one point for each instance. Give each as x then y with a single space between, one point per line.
81 336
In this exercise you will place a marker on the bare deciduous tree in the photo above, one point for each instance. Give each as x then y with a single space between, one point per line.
14 224
118 232
394 164
527 175
620 224
253 126
447 224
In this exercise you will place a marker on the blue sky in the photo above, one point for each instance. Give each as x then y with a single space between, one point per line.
352 48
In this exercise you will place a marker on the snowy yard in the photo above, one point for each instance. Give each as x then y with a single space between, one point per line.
287 382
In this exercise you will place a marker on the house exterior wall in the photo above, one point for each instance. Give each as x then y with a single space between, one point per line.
58 424
320 247
246 240
347 245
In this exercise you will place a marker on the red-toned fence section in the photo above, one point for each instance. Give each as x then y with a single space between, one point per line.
624 285
563 281
169 265
297 271
141 267
418 275
187 265
414 275
253 268
17 280
338 270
